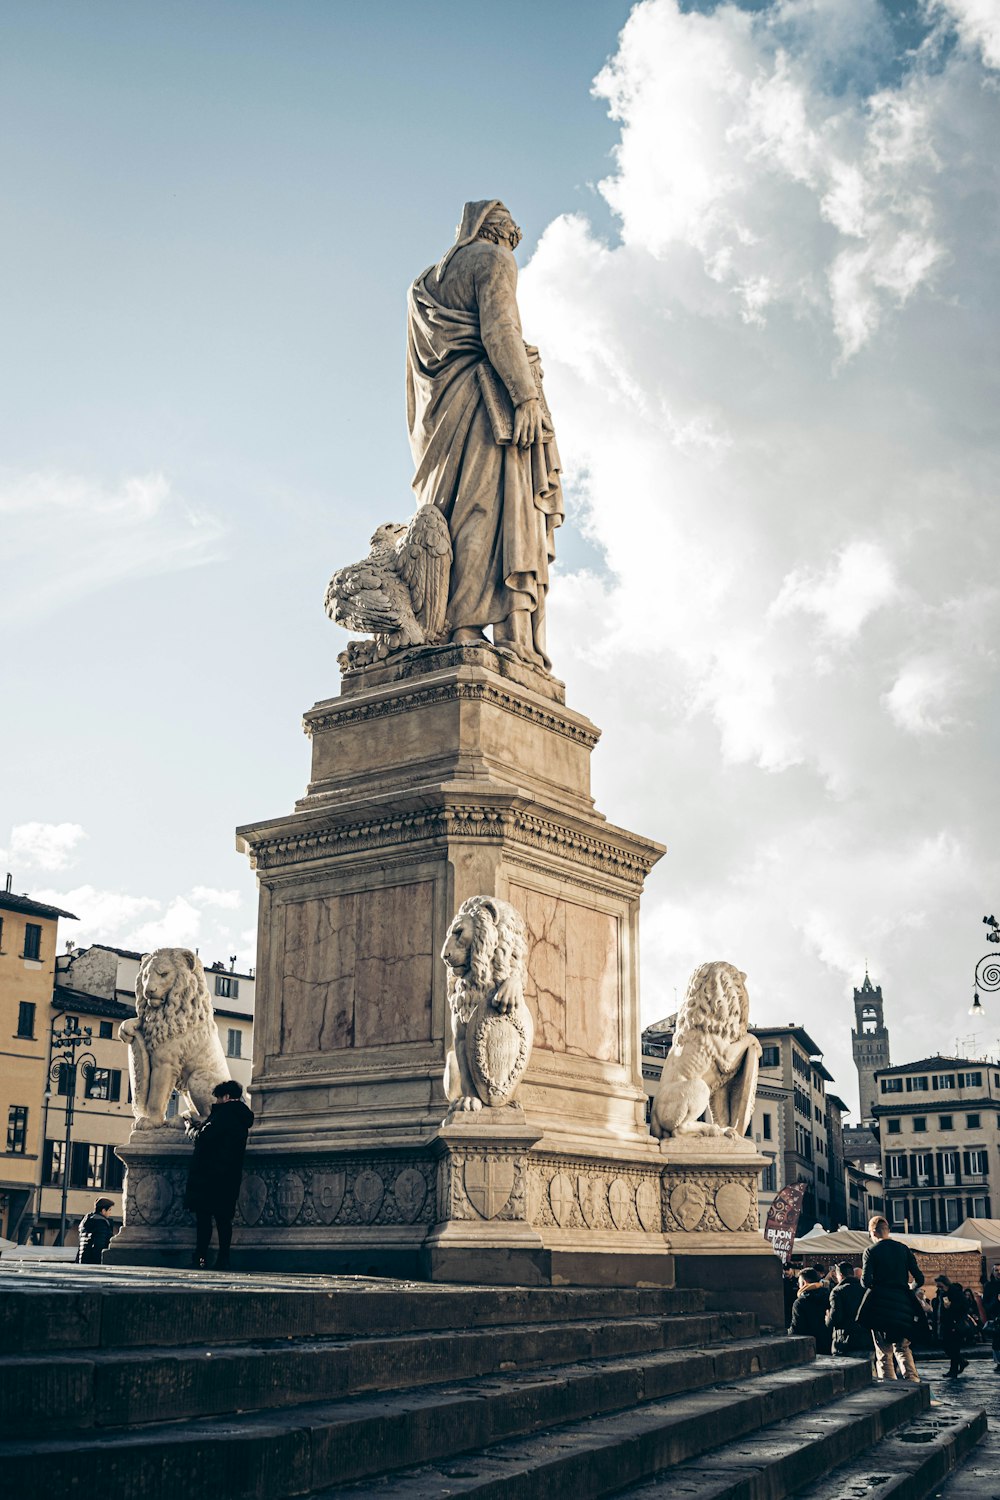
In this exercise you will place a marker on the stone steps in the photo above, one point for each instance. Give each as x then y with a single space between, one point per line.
126 1387
273 1454
608 1454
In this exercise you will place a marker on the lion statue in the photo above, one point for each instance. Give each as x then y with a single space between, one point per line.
709 1079
173 1042
492 1029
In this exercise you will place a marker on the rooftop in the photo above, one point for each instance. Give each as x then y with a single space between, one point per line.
936 1062
10 902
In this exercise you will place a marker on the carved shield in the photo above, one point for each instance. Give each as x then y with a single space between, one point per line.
253 1196
687 1204
410 1191
328 1195
289 1196
647 1204
369 1190
619 1198
153 1196
489 1182
561 1197
587 1190
732 1204
499 1053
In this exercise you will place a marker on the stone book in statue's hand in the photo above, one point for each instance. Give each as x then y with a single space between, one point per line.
499 406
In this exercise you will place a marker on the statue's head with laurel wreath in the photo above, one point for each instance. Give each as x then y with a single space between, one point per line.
171 994
487 943
716 1002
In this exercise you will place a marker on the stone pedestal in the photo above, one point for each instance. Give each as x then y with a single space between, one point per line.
441 774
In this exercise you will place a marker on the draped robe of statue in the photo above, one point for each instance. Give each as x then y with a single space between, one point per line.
502 503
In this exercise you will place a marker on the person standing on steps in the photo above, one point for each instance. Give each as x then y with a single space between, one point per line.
94 1234
841 1317
216 1171
887 1268
809 1309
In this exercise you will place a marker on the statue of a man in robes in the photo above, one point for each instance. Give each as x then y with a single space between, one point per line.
481 436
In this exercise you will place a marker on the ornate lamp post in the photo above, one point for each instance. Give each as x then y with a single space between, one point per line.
987 969
63 1071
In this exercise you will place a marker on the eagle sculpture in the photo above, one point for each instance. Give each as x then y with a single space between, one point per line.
399 593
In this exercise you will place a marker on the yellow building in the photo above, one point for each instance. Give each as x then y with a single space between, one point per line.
28 938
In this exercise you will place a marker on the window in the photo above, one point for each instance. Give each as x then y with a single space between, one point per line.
770 1057
923 1163
767 1127
17 1129
919 1122
970 1080
894 1127
975 1163
801 1099
980 1208
817 1112
226 986
102 1083
949 1168
899 1211
769 1178
895 1166
106 1031
972 1122
64 1078
916 1085
52 1163
944 1122
114 1170
234 1042
892 1085
923 1214
86 1165
32 940
944 1080
952 1213
26 1019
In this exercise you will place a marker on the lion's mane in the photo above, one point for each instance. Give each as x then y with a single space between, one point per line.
499 951
187 1005
716 1003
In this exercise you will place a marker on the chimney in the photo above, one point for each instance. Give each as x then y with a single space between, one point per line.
10 881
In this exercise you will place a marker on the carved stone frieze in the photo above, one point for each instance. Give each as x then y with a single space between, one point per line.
562 1197
514 826
448 692
707 1198
327 1194
410 1192
483 1184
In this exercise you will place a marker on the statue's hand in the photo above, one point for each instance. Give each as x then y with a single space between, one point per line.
507 996
527 422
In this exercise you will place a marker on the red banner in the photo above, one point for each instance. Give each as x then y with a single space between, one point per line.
783 1220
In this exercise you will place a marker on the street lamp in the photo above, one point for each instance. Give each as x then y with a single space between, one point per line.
987 969
63 1070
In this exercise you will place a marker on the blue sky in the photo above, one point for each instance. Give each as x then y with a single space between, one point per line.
770 342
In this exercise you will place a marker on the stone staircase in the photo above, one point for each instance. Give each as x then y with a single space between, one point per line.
138 1385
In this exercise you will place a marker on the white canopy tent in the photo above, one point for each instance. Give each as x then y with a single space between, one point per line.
856 1241
987 1232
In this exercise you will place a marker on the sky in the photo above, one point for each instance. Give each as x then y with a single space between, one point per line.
760 259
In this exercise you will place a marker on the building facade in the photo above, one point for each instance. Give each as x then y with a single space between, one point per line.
29 932
939 1130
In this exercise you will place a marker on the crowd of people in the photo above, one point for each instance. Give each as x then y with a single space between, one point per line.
880 1309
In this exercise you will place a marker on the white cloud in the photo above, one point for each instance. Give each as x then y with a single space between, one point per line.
44 846
205 895
978 24
775 400
101 535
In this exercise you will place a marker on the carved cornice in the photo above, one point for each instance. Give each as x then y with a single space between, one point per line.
516 826
581 732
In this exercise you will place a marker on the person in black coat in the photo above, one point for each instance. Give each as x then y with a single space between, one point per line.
952 1316
94 1234
886 1270
809 1308
991 1307
216 1171
845 1298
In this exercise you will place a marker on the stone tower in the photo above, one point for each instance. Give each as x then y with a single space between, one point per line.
870 1043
